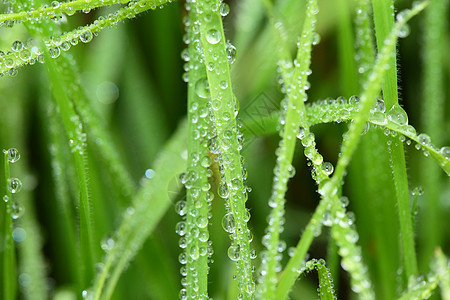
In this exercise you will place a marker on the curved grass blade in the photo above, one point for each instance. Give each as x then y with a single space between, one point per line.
149 206
9 273
29 54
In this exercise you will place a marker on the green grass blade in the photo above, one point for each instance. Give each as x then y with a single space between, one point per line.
77 142
291 271
434 51
9 272
223 108
295 116
346 51
140 219
55 45
196 179
384 23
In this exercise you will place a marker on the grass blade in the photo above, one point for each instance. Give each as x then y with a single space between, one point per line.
139 220
226 143
9 272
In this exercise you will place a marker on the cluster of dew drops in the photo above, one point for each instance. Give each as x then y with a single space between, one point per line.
341 109
14 185
30 52
209 135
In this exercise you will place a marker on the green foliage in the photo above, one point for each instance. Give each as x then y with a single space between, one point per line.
101 177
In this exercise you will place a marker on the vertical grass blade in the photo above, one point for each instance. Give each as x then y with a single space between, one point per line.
226 142
384 23
9 273
374 203
77 142
294 119
196 235
433 116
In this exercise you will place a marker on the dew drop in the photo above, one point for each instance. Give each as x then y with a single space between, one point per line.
231 53
54 52
194 252
404 31
202 222
181 207
107 244
234 253
228 223
17 46
13 155
17 210
398 115
213 36
181 228
315 38
379 106
424 139
291 170
14 185
86 36
202 88
445 151
223 191
224 9
25 55
328 168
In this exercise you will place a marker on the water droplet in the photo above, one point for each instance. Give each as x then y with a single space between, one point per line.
181 228
231 53
445 151
149 173
398 115
107 244
55 4
194 252
301 133
213 36
234 252
228 223
13 155
379 106
181 208
182 258
291 170
404 31
86 36
224 9
202 88
19 234
14 185
315 38
344 200
223 84
17 210
202 222
223 191
17 46
54 52
424 139
328 168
